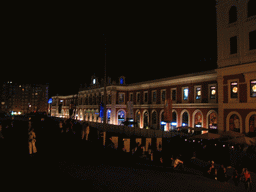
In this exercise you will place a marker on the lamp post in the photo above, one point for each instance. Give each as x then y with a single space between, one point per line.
105 89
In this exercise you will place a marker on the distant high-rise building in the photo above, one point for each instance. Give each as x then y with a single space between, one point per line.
19 99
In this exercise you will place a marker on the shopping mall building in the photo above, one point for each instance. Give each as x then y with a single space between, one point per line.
223 99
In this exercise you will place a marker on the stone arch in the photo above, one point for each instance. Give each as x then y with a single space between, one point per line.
228 121
154 119
145 121
197 120
160 115
181 117
177 119
108 116
247 121
138 118
207 118
118 115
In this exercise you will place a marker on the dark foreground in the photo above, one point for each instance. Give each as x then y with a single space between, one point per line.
61 162
101 171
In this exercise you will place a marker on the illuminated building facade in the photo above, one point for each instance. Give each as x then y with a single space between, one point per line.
194 102
236 36
18 99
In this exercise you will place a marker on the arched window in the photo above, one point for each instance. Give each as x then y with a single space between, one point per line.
251 8
252 124
137 118
121 117
234 123
145 119
108 115
174 119
212 120
232 14
198 119
185 119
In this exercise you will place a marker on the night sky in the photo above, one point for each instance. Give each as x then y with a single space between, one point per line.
63 45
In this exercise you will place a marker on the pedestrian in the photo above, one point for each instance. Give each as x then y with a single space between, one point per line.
178 164
222 173
248 180
212 171
61 126
83 131
87 131
236 177
32 141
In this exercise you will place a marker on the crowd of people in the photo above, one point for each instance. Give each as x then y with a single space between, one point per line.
69 137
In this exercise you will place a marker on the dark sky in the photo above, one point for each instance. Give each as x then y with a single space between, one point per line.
63 45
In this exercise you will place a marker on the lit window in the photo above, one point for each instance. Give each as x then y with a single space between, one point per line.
185 94
94 81
213 92
253 88
234 89
198 93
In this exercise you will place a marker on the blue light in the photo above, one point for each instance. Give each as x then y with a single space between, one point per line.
163 123
174 123
184 124
121 81
101 110
50 101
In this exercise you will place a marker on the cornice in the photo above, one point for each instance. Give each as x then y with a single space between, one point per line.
171 81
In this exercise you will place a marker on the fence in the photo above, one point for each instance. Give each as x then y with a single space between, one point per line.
134 131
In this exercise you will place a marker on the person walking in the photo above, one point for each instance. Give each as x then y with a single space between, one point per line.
236 177
212 171
248 180
32 141
221 175
87 131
